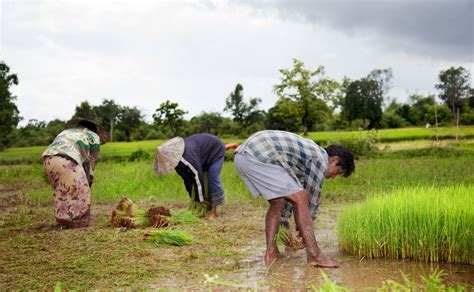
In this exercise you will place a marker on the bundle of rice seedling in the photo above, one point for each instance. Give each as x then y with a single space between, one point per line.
127 214
168 236
158 216
183 217
198 208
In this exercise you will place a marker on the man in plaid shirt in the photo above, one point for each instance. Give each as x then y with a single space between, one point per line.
288 171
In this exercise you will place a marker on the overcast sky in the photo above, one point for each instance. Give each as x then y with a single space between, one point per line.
141 53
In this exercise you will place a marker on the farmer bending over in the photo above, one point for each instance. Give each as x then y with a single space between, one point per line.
191 157
288 171
69 163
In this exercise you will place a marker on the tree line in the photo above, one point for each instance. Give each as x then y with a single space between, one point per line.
308 100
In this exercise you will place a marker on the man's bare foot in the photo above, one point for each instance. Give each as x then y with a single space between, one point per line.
323 261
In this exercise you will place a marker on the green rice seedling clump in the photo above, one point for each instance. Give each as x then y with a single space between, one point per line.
197 208
183 217
429 224
169 236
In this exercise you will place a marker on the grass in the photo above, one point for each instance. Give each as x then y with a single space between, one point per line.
393 135
33 256
136 181
120 151
429 224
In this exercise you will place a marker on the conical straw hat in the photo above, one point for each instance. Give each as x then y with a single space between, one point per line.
167 155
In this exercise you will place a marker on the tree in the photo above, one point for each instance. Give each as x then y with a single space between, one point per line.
9 114
300 85
107 113
129 119
384 79
364 101
243 113
86 111
454 84
207 122
170 116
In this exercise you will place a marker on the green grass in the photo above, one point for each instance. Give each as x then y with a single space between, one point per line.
136 181
392 135
122 150
385 175
424 223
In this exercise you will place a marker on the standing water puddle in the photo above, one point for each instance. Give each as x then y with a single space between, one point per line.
291 271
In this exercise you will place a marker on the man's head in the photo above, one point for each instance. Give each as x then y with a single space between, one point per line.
341 161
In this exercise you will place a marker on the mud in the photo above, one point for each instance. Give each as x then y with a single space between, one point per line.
8 196
291 271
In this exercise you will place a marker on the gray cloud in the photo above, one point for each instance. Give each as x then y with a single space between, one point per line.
441 29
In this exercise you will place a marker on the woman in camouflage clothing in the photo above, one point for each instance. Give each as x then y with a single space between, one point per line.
69 163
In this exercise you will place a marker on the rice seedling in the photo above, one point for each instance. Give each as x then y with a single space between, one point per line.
429 224
328 285
128 214
169 236
282 236
198 208
183 217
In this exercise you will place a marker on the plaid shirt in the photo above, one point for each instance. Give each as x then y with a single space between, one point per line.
304 160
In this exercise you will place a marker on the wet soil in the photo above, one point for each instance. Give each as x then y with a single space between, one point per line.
231 246
291 271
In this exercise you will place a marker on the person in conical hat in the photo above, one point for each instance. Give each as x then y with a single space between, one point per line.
191 158
69 163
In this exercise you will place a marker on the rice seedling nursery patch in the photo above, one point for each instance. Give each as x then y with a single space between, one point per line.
429 224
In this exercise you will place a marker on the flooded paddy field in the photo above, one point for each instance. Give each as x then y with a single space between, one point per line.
227 254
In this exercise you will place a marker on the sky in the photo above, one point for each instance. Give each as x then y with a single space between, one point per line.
142 53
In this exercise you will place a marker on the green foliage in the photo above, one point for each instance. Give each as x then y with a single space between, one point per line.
423 223
129 119
169 116
454 86
298 85
246 115
169 236
9 114
364 101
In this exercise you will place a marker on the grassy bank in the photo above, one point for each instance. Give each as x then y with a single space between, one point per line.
423 223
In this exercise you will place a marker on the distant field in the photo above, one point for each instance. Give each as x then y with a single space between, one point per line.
393 135
123 149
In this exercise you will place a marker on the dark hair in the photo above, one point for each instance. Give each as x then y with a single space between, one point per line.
89 125
346 159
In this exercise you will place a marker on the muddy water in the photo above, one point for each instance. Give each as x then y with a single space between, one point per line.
290 271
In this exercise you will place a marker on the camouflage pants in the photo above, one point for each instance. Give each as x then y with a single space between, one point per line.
71 197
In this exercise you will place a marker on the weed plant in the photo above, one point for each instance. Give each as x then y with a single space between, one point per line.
429 224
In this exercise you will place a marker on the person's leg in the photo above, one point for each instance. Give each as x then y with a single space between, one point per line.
71 192
305 226
215 189
272 224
